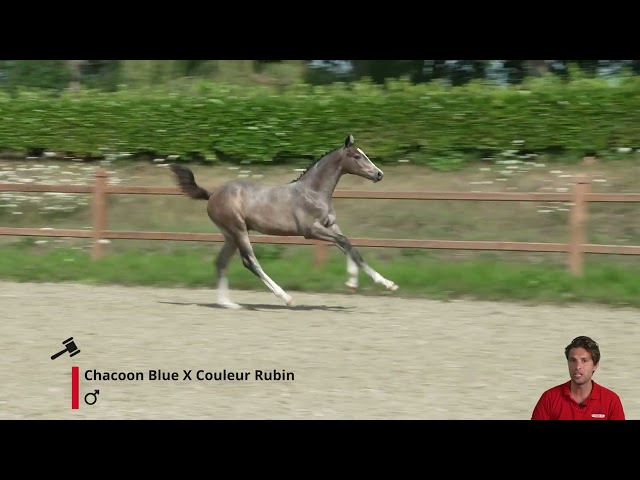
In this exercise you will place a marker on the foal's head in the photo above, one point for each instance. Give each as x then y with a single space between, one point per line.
356 162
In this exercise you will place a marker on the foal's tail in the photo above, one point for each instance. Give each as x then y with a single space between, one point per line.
187 183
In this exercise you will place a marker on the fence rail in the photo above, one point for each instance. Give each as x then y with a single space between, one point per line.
575 247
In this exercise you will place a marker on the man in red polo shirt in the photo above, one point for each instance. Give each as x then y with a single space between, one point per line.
580 398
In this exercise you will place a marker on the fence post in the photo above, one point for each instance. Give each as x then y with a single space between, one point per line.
320 254
577 224
99 213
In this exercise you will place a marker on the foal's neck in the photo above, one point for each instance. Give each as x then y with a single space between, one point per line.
324 176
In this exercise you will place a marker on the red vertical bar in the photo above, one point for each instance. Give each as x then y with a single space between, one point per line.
75 388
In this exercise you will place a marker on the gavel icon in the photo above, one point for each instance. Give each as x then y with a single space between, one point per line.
70 347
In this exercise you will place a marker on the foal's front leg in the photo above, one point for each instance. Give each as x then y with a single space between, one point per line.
320 232
352 266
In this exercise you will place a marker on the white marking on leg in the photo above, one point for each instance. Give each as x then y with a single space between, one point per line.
352 270
223 294
273 286
379 278
352 267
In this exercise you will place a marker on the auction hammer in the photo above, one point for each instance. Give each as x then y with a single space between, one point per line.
71 348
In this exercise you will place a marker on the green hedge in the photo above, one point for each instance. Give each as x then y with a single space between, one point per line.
425 123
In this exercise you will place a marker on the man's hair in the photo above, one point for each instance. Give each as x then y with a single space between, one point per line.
588 344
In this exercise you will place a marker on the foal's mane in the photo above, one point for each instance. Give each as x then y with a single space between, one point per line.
325 154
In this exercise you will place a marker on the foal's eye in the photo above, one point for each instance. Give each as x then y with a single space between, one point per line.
356 156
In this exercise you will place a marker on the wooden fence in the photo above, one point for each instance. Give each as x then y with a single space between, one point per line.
576 247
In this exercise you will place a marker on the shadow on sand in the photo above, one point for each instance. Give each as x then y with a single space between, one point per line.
265 306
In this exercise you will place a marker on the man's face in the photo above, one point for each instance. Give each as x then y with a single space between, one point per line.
581 366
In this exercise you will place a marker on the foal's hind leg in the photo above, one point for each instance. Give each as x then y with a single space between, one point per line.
250 261
320 232
222 261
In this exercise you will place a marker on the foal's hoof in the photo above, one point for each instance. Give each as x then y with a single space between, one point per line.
230 305
351 285
290 302
393 287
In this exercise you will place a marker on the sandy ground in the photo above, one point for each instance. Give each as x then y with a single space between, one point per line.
352 357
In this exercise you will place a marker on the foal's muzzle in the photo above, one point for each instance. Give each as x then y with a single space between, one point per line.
378 176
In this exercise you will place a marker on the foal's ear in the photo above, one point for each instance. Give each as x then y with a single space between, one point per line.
349 141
